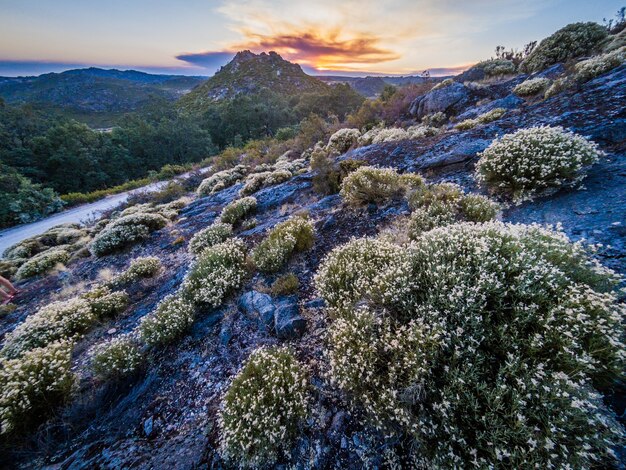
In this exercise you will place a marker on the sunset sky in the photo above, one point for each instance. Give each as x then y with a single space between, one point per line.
195 37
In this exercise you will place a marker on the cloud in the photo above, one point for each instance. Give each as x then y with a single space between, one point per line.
210 60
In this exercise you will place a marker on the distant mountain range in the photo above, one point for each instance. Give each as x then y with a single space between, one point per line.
371 87
94 90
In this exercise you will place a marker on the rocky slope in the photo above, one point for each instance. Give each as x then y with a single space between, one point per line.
165 416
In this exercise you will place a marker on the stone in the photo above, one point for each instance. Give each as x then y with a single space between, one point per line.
450 100
148 426
288 323
259 307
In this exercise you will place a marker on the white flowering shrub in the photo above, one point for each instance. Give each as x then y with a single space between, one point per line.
218 271
569 42
125 231
238 210
292 166
258 181
532 86
294 235
344 277
591 68
420 131
390 134
367 138
530 161
375 185
24 249
42 263
222 180
437 119
341 141
169 321
116 357
104 303
139 268
478 345
264 409
443 84
497 67
212 235
484 118
33 384
52 322
437 205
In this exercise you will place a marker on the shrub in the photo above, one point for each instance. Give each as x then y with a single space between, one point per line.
42 263
168 322
341 141
420 131
367 138
532 86
477 347
104 303
24 249
574 40
484 118
33 384
116 357
285 285
596 66
294 235
497 67
257 181
437 119
443 84
222 180
264 408
125 231
374 185
478 208
218 271
559 85
140 268
238 210
212 235
531 160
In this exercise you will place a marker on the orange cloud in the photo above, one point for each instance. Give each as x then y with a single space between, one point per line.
324 51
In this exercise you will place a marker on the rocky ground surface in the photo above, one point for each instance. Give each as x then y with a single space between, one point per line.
165 416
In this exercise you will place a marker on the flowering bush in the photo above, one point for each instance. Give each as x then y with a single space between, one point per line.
55 321
596 66
532 160
369 184
437 119
264 408
477 347
257 181
33 384
442 204
497 67
212 235
484 118
532 86
125 231
341 141
443 84
293 235
104 303
574 40
420 131
237 210
218 271
222 180
116 357
140 268
168 322
42 263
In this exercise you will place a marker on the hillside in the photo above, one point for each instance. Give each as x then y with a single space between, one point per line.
250 73
95 92
371 87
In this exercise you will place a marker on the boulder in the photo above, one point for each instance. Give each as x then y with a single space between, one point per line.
508 102
287 320
259 307
281 315
451 100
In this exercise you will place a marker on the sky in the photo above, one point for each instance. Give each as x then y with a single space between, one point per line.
332 37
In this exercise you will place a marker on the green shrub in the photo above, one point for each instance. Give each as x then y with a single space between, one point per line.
264 408
285 285
258 181
125 231
116 357
437 119
222 180
33 384
497 67
375 185
24 249
140 268
532 86
342 140
443 84
478 208
591 68
218 271
484 118
104 303
574 40
294 235
527 162
168 322
238 210
212 235
42 263
559 85
481 342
